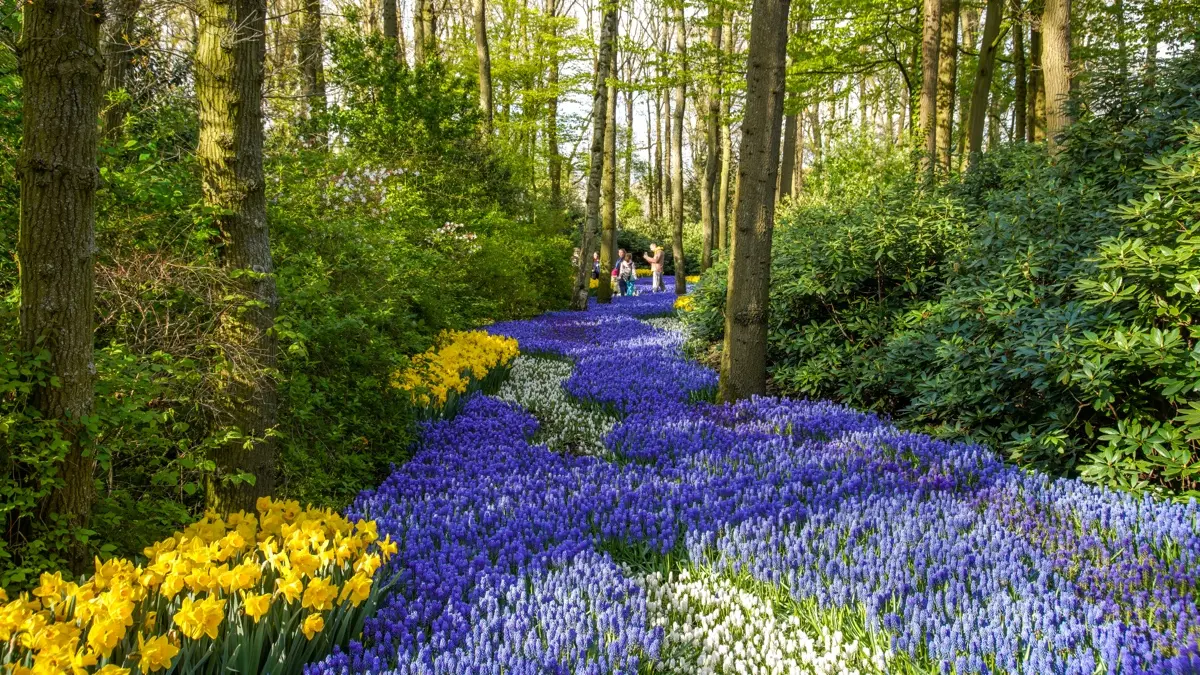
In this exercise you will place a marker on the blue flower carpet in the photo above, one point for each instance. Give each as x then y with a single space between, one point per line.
600 515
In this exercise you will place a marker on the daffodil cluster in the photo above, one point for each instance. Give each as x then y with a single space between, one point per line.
684 303
460 362
235 592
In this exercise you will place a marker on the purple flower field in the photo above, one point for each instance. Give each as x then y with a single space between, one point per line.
517 559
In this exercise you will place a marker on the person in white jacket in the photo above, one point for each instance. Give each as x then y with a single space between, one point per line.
656 267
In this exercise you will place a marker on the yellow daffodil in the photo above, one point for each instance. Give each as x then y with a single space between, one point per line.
256 605
319 595
357 589
105 635
112 669
197 618
291 586
156 653
313 624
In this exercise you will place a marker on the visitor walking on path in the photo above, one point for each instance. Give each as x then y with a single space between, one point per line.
656 267
627 279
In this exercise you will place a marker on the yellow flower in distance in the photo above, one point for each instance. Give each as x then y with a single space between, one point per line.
314 624
156 653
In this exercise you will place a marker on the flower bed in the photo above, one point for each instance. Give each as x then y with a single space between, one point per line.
254 593
460 363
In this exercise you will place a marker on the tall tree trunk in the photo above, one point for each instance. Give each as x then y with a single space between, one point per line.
1020 105
970 28
429 29
555 159
390 24
726 140
798 177
62 85
229 85
1118 8
660 156
930 46
485 65
312 74
947 74
677 153
608 191
629 143
712 142
788 152
1056 67
983 78
608 38
1150 17
747 299
652 186
818 145
1035 120
401 42
419 31
118 52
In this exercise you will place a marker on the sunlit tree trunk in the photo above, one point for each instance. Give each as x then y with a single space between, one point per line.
1035 119
229 81
429 29
983 78
118 52
747 300
726 140
1150 17
1056 67
712 142
418 20
788 159
1020 105
608 36
608 192
818 146
677 153
485 65
62 85
930 46
947 74
652 182
312 74
555 159
629 143
390 24
970 27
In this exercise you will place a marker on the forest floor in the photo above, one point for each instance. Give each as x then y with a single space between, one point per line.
599 514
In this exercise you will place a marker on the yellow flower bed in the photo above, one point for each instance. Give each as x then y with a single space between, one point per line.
684 303
692 278
459 360
224 593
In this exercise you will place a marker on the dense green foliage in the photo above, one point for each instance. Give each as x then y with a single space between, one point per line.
1046 307
411 224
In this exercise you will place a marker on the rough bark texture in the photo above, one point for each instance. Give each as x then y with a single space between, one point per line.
62 84
947 74
229 81
312 72
1020 105
1035 119
744 357
583 272
118 53
970 30
483 54
930 45
429 29
983 78
419 31
650 145
798 177
390 24
712 137
788 161
1056 67
677 153
627 179
608 194
555 160
726 141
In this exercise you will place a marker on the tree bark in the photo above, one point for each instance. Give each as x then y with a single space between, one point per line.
1056 67
798 177
555 159
608 36
229 81
712 142
788 160
930 46
419 31
677 153
608 192
983 78
390 24
1150 17
1035 120
118 52
970 29
1020 105
818 146
312 73
747 300
62 85
485 65
429 29
629 143
947 75
652 187
726 140
659 153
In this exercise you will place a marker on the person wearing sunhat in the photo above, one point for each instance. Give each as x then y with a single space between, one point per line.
656 267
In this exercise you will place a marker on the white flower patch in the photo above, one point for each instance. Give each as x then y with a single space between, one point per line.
712 626
564 425
671 324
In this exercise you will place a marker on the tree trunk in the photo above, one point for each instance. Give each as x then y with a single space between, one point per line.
677 153
608 192
1056 67
1020 106
312 74
712 143
983 78
818 146
608 37
1150 17
747 300
1035 120
970 28
788 160
555 159
659 155
726 140
798 177
930 46
390 24
485 65
419 31
229 81
947 74
118 52
629 143
652 186
62 85
429 29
